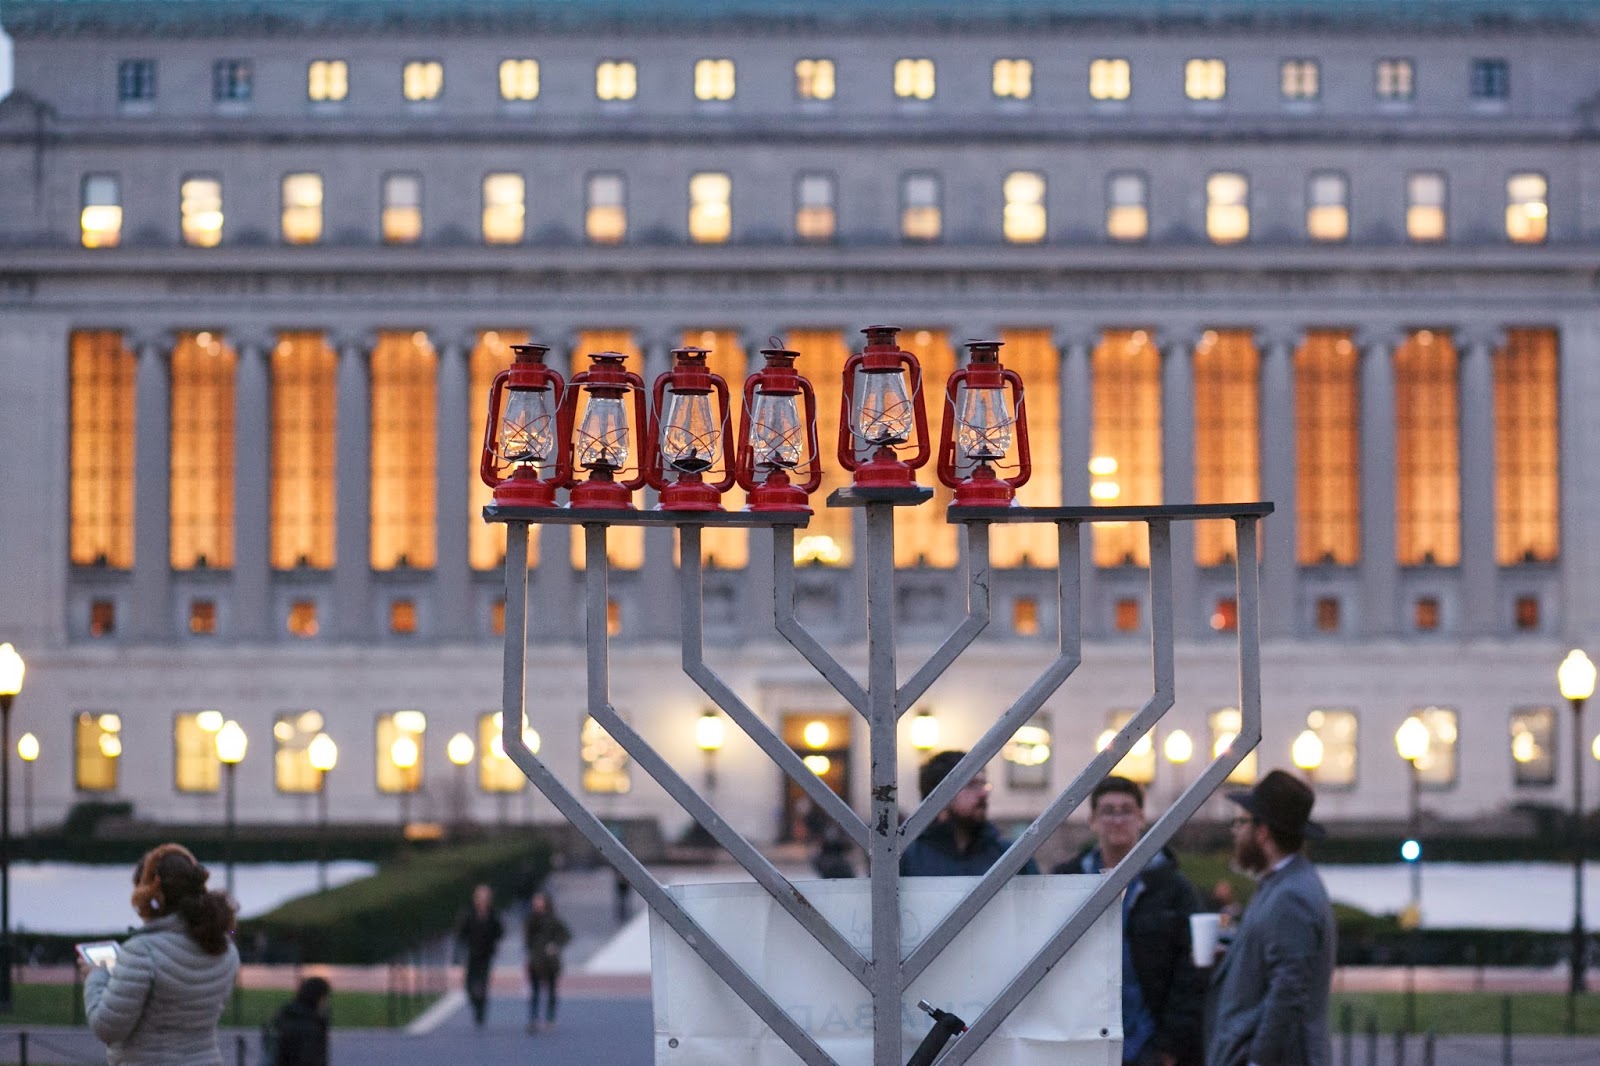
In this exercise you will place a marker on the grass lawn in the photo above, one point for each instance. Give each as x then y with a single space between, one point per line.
58 1005
1445 1013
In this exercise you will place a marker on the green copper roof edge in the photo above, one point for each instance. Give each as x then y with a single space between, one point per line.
25 18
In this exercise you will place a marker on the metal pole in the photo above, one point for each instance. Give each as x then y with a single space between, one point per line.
884 850
1416 900
227 830
1579 940
322 831
5 853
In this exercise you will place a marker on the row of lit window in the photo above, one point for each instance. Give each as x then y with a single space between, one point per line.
303 753
1023 219
1125 468
1110 78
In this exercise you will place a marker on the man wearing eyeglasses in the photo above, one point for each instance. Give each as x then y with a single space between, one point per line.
1270 991
1163 993
961 840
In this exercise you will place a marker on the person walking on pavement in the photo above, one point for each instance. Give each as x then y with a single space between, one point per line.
299 1030
479 932
544 935
961 840
1270 990
1163 993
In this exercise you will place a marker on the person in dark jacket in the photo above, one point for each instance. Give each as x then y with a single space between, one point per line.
1163 994
479 932
300 1028
961 840
543 937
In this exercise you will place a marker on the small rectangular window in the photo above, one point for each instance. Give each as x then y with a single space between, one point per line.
1227 208
100 221
1491 79
402 208
1533 746
616 80
496 772
102 618
1328 207
1225 615
1126 615
504 213
200 211
1299 79
1426 613
613 618
710 207
97 751
519 79
400 751
814 212
1027 755
302 208
327 80
403 617
1336 732
292 734
1127 207
1525 614
606 217
422 80
136 80
1527 208
1393 79
1425 207
1327 614
1024 221
921 216
195 765
606 767
913 79
1110 79
1437 766
1025 616
1225 725
813 79
713 80
497 617
230 80
302 621
203 618
1012 79
1205 79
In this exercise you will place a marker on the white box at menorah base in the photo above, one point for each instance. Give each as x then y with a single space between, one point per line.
1072 1018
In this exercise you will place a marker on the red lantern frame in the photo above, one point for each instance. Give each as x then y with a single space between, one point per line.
688 490
885 469
983 488
776 492
523 487
601 490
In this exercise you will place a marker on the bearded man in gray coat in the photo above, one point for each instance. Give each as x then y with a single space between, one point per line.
1270 991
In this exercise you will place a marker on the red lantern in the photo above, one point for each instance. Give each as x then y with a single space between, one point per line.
524 432
879 411
776 436
980 422
599 441
687 435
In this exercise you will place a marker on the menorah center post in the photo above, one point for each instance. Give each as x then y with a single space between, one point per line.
883 826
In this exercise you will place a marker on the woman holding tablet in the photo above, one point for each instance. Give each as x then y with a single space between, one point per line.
159 1005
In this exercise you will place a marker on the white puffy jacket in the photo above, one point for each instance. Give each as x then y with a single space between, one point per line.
160 1005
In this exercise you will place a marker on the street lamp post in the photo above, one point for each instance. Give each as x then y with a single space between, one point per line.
1411 740
28 752
708 735
1307 752
11 670
231 745
323 754
460 751
404 754
1576 677
1178 749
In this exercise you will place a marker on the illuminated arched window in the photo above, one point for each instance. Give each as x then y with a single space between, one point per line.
1327 418
624 544
304 371
1227 458
1527 448
201 453
101 449
404 451
486 541
1125 465
921 535
827 539
1032 355
728 549
1427 451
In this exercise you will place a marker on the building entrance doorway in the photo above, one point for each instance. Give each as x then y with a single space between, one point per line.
823 741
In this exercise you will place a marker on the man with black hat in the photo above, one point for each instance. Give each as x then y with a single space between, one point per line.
1270 991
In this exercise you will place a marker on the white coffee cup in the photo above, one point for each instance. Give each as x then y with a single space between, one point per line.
1204 930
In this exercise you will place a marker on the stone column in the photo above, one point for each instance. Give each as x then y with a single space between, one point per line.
1380 573
452 577
553 592
252 486
150 594
658 582
1480 609
1579 388
1076 344
1177 469
1279 564
352 569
